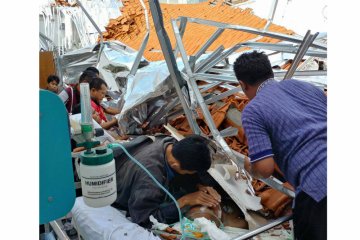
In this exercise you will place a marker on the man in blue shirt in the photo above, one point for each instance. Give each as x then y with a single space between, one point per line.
286 123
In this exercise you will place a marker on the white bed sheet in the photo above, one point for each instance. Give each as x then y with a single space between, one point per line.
101 223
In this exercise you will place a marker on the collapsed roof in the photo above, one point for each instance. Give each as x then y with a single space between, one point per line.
130 28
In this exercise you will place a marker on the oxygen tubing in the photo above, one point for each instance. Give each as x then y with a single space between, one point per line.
156 181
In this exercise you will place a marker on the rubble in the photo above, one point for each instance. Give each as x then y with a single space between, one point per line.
225 113
64 3
130 28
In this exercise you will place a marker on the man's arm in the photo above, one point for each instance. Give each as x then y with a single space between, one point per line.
108 109
260 147
107 125
210 190
147 199
198 198
111 111
96 117
263 168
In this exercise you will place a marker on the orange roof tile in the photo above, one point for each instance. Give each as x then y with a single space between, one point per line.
195 35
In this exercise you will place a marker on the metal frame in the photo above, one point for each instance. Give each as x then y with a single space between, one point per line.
284 47
212 39
58 228
211 57
284 37
140 53
194 71
183 22
97 29
264 228
227 76
220 57
304 46
200 101
175 76
212 61
271 14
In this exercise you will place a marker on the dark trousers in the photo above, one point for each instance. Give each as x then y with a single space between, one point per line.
310 218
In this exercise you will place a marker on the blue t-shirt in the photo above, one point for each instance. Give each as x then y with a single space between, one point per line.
288 120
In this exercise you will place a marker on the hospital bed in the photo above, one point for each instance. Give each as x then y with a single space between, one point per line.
106 223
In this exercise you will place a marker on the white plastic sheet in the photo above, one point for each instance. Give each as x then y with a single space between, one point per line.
106 223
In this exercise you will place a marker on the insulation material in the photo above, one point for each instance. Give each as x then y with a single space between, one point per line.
237 190
116 59
69 28
75 62
130 28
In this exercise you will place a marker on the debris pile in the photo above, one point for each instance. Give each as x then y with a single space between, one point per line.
227 113
276 203
130 28
129 25
64 3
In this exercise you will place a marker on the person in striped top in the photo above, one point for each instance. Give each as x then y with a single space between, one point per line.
285 123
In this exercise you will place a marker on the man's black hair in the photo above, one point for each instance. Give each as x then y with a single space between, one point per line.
53 78
253 68
93 69
193 153
96 83
87 76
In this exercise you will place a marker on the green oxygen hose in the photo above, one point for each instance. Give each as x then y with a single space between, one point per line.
112 145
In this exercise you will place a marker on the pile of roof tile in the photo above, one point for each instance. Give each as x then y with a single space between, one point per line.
275 203
225 113
129 25
64 3
288 63
130 28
